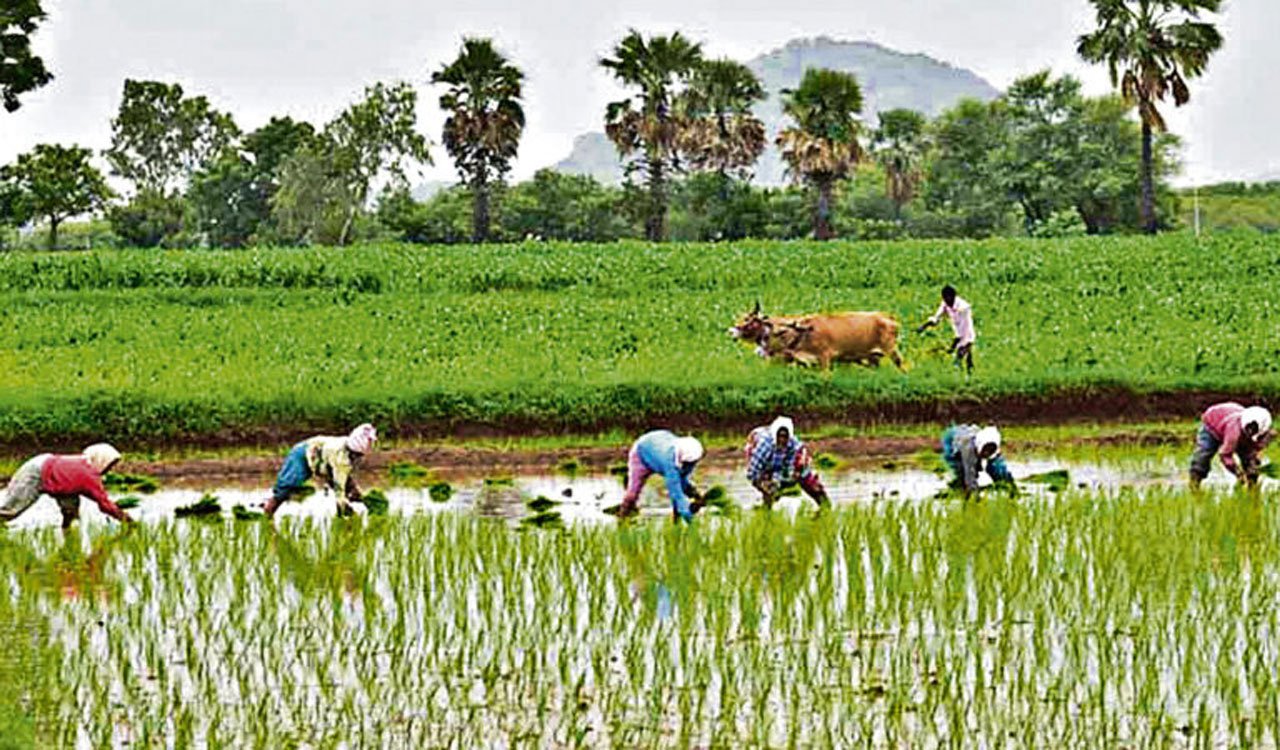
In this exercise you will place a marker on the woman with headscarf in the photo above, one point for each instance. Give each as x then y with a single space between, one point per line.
330 461
66 479
968 450
675 458
777 459
1237 435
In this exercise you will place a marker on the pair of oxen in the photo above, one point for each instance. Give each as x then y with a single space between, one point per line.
822 339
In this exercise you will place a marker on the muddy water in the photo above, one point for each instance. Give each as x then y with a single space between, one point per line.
585 498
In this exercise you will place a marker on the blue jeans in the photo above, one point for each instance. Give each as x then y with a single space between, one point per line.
293 475
1206 448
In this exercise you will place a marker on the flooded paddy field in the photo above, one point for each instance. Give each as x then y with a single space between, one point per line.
1112 608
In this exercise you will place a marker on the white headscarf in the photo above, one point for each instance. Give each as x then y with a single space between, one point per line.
1256 415
688 450
988 435
779 424
100 456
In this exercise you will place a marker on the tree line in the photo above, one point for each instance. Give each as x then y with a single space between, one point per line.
1042 159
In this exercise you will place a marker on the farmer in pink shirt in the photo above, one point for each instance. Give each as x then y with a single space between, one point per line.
1231 431
961 315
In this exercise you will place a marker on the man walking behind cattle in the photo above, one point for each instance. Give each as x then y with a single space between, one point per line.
1233 432
966 449
961 314
675 458
777 459
65 479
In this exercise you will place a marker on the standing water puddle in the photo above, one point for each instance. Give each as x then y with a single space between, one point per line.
586 497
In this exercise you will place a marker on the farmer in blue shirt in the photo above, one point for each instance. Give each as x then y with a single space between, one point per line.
675 458
777 459
968 450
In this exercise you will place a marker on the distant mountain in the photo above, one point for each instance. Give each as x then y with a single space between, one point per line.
890 80
594 155
424 191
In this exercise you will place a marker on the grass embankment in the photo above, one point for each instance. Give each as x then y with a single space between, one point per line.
1140 620
220 347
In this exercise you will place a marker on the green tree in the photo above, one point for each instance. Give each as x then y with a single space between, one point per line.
898 146
486 120
54 183
821 147
151 219
1108 163
660 67
960 187
231 197
720 133
20 70
160 137
1037 163
1151 49
556 206
325 185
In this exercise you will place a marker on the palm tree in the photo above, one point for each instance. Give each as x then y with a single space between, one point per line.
720 132
485 122
822 147
1152 47
899 147
660 67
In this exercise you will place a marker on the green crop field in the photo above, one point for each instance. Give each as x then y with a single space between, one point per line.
166 346
1115 620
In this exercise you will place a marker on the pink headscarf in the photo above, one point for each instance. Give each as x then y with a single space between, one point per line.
362 438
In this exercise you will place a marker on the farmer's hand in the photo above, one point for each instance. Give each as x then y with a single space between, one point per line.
695 494
922 328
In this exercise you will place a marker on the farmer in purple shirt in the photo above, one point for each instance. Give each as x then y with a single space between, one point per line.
1232 432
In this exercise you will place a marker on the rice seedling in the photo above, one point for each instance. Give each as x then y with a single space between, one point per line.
544 520
440 492
375 500
241 513
1056 480
206 506
407 472
541 504
130 483
128 502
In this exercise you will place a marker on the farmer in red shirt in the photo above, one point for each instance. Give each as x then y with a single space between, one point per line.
1231 431
65 479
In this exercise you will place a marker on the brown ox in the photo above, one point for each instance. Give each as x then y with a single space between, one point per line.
862 337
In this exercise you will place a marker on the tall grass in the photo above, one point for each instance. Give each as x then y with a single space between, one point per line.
1088 620
170 345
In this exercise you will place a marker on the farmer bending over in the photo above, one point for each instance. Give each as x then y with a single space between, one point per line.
968 450
65 479
777 459
961 315
675 458
1231 431
330 462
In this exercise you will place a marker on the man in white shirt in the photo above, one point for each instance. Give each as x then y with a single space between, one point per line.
961 315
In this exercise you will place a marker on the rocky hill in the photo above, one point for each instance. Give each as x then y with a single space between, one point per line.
889 79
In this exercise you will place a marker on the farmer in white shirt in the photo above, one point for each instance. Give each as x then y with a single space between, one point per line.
961 315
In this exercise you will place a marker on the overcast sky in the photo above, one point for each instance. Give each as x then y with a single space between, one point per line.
310 58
